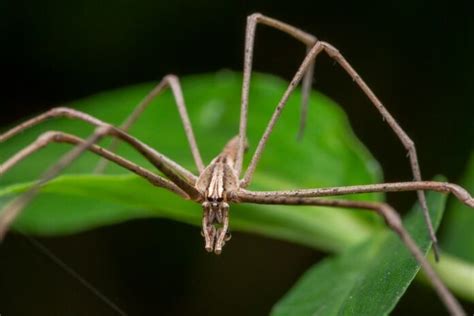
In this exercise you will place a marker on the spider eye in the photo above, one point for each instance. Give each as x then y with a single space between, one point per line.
219 199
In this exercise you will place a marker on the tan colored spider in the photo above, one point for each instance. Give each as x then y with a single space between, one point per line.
219 185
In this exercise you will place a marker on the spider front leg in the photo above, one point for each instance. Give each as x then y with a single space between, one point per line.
171 81
13 209
59 137
181 179
391 218
175 172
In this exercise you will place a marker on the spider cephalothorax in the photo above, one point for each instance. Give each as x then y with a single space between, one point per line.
216 184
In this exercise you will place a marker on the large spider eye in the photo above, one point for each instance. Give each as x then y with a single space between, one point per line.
219 199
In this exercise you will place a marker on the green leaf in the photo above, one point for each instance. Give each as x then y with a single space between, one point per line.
329 155
368 279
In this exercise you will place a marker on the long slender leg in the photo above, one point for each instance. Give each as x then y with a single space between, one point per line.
171 81
13 209
305 65
175 172
404 138
461 194
406 141
308 39
59 137
393 221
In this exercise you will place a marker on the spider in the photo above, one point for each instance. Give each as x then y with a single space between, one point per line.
219 184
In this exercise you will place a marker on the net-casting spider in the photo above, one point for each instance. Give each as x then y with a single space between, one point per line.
219 184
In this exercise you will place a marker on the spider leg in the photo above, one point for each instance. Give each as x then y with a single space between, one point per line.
13 208
445 187
175 172
409 145
401 134
59 137
307 39
305 65
171 81
391 218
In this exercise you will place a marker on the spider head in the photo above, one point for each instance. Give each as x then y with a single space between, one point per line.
215 224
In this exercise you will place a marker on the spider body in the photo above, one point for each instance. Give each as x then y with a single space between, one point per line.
216 185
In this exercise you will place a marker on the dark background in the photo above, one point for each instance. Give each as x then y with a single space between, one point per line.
416 56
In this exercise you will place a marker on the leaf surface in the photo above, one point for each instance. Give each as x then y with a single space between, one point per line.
367 279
